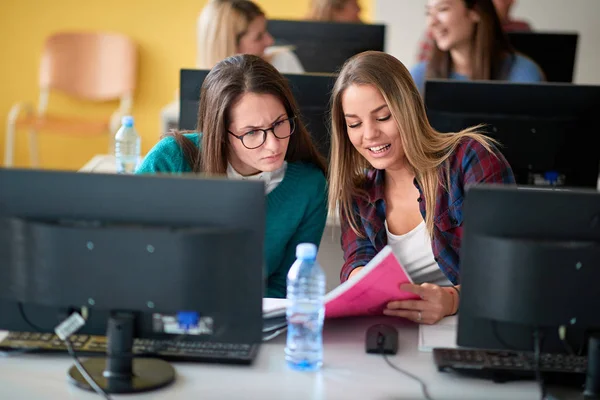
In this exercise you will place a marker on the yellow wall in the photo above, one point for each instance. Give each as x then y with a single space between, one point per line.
164 31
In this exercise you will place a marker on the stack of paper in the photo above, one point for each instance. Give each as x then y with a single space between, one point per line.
274 320
442 334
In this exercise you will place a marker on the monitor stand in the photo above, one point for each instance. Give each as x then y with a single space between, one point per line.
592 383
119 371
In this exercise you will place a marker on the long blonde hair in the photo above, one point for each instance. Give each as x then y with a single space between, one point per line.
324 10
426 149
221 25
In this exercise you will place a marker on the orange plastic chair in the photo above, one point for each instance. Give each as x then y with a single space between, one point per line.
87 66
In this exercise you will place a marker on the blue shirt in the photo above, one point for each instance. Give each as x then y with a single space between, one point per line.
519 69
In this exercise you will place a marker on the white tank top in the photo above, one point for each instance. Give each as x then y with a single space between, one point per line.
413 251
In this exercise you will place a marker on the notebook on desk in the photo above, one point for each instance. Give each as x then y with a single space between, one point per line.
441 334
274 318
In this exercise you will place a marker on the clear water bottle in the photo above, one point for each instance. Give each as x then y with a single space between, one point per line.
306 310
127 146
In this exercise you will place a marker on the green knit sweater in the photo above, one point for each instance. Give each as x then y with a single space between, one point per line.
296 208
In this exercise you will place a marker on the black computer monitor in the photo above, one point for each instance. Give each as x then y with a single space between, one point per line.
549 133
325 46
133 251
529 261
311 91
555 53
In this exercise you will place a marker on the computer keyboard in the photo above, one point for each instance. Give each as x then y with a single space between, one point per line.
170 350
507 365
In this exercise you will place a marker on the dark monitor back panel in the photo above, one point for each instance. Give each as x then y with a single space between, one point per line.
80 235
555 53
547 222
325 46
541 128
311 91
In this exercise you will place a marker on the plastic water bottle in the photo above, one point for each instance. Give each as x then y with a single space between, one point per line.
306 310
127 146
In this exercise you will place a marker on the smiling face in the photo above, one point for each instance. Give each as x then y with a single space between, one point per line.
371 128
451 23
249 112
256 39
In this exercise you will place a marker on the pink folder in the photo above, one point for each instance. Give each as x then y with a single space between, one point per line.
369 291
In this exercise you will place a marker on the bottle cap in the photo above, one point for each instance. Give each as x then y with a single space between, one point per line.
127 121
306 251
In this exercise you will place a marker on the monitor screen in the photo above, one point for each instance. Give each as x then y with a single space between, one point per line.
528 257
325 46
152 245
547 132
555 53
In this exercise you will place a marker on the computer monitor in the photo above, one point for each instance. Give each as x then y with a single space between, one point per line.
548 132
325 46
528 262
311 91
555 53
133 251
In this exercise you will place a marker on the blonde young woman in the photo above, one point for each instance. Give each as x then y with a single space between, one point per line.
412 194
228 27
334 11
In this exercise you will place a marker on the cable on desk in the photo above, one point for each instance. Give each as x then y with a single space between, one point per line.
27 321
562 335
86 375
409 375
538 339
71 351
17 352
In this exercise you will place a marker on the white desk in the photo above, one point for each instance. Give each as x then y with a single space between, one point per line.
348 373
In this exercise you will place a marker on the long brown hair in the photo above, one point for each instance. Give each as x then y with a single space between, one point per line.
489 42
426 149
222 87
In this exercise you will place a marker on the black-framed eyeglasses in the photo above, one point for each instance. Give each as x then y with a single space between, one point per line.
255 138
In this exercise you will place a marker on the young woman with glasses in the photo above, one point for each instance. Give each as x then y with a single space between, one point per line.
249 129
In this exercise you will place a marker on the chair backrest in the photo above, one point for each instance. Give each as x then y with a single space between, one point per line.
92 66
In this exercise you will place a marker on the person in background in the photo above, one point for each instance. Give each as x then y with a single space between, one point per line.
228 27
503 8
395 180
249 127
334 11
471 45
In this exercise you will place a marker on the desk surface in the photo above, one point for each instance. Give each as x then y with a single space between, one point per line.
348 373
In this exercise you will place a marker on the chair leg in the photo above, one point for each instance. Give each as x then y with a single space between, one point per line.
33 149
9 144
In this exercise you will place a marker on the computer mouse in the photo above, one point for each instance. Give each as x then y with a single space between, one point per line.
382 339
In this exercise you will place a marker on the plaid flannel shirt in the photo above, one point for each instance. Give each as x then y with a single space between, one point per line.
470 164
